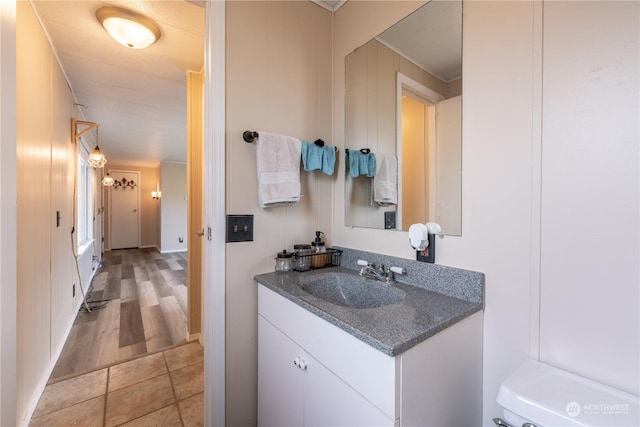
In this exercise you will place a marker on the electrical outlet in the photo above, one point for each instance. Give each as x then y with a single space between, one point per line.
429 254
390 220
239 228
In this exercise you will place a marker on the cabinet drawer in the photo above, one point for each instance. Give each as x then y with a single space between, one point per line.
370 372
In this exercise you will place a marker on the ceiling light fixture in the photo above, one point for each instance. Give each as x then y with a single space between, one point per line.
128 28
96 158
107 181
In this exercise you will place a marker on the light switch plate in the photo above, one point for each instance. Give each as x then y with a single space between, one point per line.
390 220
239 228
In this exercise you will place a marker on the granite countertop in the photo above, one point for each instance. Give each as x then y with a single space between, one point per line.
392 329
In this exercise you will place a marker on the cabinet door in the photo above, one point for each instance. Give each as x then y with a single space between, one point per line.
280 389
329 401
289 395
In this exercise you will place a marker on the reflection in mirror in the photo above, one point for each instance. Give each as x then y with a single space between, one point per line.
403 101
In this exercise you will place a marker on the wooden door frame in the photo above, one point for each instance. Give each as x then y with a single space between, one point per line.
139 174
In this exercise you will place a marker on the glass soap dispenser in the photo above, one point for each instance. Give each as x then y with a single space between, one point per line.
318 252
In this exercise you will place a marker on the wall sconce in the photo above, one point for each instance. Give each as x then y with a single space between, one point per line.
156 195
128 28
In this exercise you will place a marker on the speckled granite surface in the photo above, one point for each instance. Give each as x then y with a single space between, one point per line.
420 313
454 282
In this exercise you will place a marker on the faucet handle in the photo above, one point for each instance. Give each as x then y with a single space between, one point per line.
398 270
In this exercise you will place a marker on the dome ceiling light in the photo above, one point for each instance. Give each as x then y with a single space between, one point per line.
128 28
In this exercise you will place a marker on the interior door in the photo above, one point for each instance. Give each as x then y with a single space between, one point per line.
124 215
449 165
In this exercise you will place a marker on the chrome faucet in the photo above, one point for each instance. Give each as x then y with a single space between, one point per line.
383 274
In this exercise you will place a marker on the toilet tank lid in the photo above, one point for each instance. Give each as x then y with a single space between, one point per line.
550 397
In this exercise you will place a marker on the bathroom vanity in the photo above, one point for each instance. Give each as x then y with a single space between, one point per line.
402 355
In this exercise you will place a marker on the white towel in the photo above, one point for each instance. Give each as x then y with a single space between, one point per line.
385 183
278 159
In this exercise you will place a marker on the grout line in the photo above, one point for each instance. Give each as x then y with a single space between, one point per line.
173 389
106 397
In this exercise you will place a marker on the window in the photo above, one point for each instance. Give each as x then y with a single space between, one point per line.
85 200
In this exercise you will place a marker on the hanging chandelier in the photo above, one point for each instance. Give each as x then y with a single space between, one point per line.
108 180
97 158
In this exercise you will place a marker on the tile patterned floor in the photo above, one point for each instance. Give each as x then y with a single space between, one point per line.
159 389
147 311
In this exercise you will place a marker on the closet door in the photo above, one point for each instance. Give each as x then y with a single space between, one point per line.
33 134
60 220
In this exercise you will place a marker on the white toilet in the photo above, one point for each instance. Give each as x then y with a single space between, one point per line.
539 395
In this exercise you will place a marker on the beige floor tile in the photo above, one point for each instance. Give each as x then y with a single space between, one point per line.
184 355
165 417
135 371
192 410
89 413
69 392
188 381
132 402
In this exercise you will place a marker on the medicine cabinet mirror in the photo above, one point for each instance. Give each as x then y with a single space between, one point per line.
403 98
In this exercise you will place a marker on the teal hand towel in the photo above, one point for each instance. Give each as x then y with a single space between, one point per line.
361 164
328 159
311 156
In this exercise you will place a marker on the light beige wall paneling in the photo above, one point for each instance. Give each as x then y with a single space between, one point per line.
498 112
173 207
355 23
278 80
8 220
590 263
376 116
34 62
195 154
63 153
149 208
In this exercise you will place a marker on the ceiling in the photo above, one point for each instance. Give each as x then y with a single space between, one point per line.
431 37
137 96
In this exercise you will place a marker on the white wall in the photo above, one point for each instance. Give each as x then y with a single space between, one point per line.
173 206
8 220
590 258
278 68
556 288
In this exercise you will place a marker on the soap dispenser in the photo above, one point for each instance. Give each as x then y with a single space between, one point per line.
318 252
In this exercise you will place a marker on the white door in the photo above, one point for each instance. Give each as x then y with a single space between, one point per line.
124 200
449 165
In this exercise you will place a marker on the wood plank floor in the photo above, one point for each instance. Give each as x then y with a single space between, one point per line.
146 312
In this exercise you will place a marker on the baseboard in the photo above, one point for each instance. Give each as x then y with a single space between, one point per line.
193 337
37 394
150 247
173 250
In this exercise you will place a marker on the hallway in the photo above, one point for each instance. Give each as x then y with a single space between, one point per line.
127 361
146 296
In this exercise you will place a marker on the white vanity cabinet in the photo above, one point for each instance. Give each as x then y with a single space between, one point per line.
312 373
295 389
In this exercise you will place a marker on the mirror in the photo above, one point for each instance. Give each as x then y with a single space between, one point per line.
403 102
